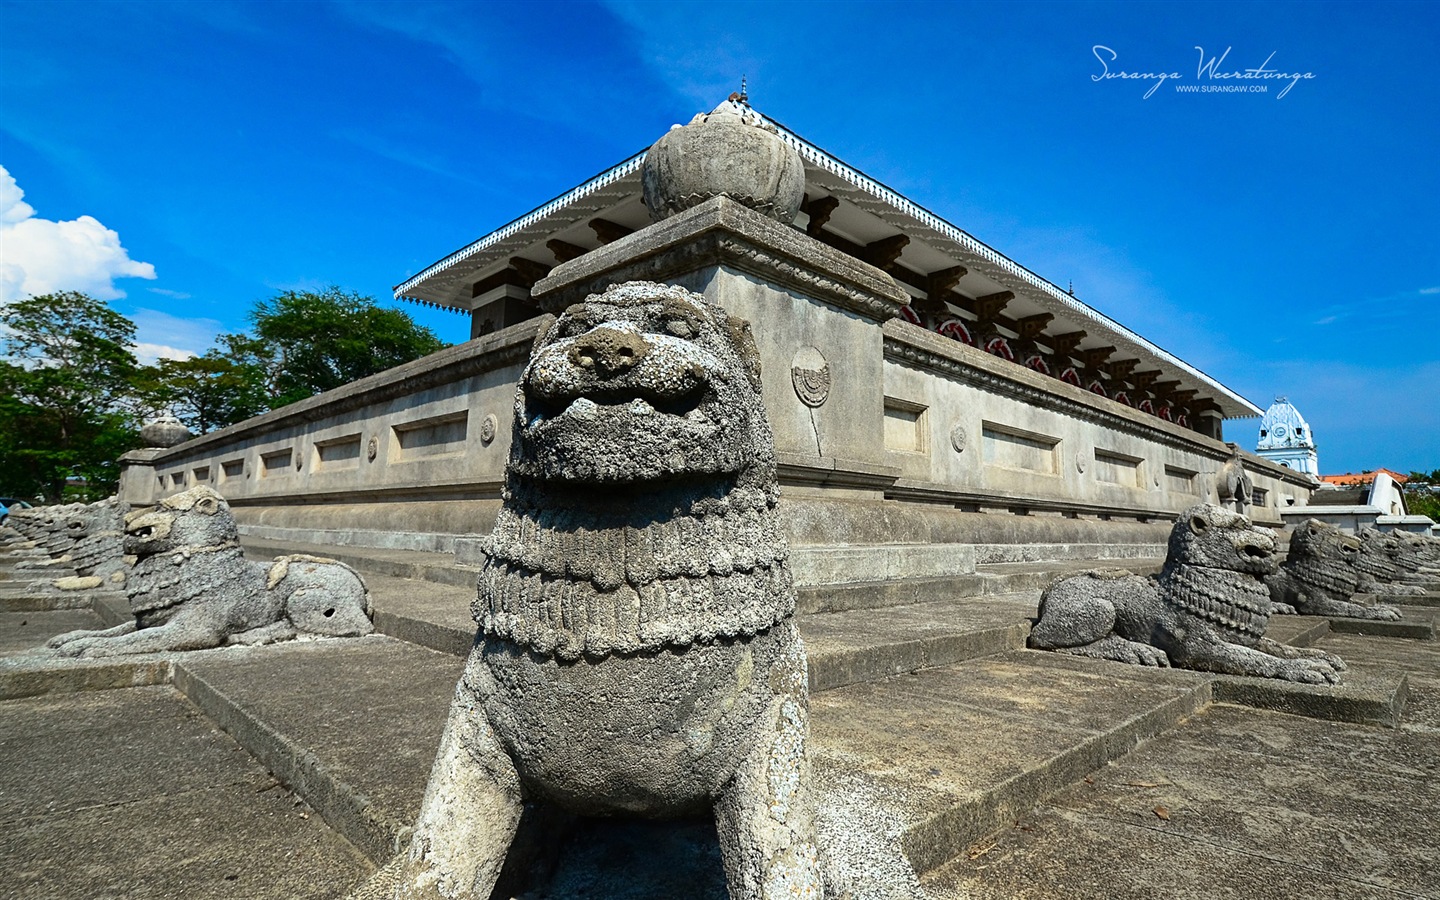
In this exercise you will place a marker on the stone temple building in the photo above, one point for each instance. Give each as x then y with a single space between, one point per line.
935 404
1286 438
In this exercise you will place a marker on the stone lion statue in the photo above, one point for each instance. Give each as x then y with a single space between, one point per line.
1320 576
47 527
1207 610
1397 556
83 538
191 587
1378 570
636 653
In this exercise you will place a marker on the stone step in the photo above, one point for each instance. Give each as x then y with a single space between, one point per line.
996 578
1417 623
133 793
950 753
944 756
843 647
437 567
350 725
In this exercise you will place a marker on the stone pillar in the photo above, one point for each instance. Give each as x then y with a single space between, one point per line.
137 477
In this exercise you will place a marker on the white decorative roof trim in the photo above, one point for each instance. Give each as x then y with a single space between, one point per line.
604 179
819 158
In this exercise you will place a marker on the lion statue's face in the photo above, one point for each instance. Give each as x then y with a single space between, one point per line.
1318 540
644 382
1206 535
199 517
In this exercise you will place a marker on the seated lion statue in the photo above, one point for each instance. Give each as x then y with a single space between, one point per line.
636 652
191 587
1207 610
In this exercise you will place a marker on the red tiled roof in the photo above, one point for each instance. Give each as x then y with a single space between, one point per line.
1363 478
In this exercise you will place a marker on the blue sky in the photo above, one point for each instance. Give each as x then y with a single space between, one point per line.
1285 245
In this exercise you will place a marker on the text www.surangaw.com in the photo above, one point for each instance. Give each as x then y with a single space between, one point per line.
1207 73
1221 88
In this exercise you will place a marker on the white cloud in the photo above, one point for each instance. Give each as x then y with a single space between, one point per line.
40 256
1430 290
148 354
159 335
165 292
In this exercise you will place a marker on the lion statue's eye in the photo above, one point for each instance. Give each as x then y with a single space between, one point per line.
573 327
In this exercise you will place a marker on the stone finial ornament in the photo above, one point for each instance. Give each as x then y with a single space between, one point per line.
1208 610
1320 575
636 651
191 587
729 151
164 431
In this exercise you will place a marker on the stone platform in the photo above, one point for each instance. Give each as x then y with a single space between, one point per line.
929 719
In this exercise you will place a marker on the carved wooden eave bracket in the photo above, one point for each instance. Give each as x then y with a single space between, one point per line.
913 346
721 232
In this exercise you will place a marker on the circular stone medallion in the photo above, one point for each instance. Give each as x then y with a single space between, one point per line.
487 429
810 374
957 438
372 449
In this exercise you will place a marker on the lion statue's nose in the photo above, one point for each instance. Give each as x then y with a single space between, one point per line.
608 351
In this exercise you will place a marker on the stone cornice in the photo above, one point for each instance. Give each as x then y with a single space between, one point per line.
721 232
914 346
483 354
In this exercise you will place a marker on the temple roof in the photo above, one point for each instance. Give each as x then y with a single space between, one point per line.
845 208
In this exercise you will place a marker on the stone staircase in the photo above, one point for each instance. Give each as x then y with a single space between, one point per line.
928 715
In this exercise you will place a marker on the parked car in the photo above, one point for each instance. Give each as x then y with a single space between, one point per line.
9 503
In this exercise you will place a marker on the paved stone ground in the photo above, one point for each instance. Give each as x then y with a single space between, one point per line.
135 794
1240 803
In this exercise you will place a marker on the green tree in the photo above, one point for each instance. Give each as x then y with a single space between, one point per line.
66 374
308 342
1423 503
205 392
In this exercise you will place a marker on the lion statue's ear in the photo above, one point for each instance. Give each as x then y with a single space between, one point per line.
546 324
744 342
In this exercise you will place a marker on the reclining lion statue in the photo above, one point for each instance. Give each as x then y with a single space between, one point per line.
191 587
86 538
1412 560
636 653
1320 575
1207 610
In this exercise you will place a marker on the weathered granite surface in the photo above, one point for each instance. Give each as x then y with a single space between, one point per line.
728 152
191 587
1207 610
636 653
1320 577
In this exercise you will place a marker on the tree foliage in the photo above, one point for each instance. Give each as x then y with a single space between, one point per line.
309 342
72 395
205 392
1420 503
67 373
303 343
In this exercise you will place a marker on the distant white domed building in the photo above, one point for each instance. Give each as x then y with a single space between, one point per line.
1285 438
